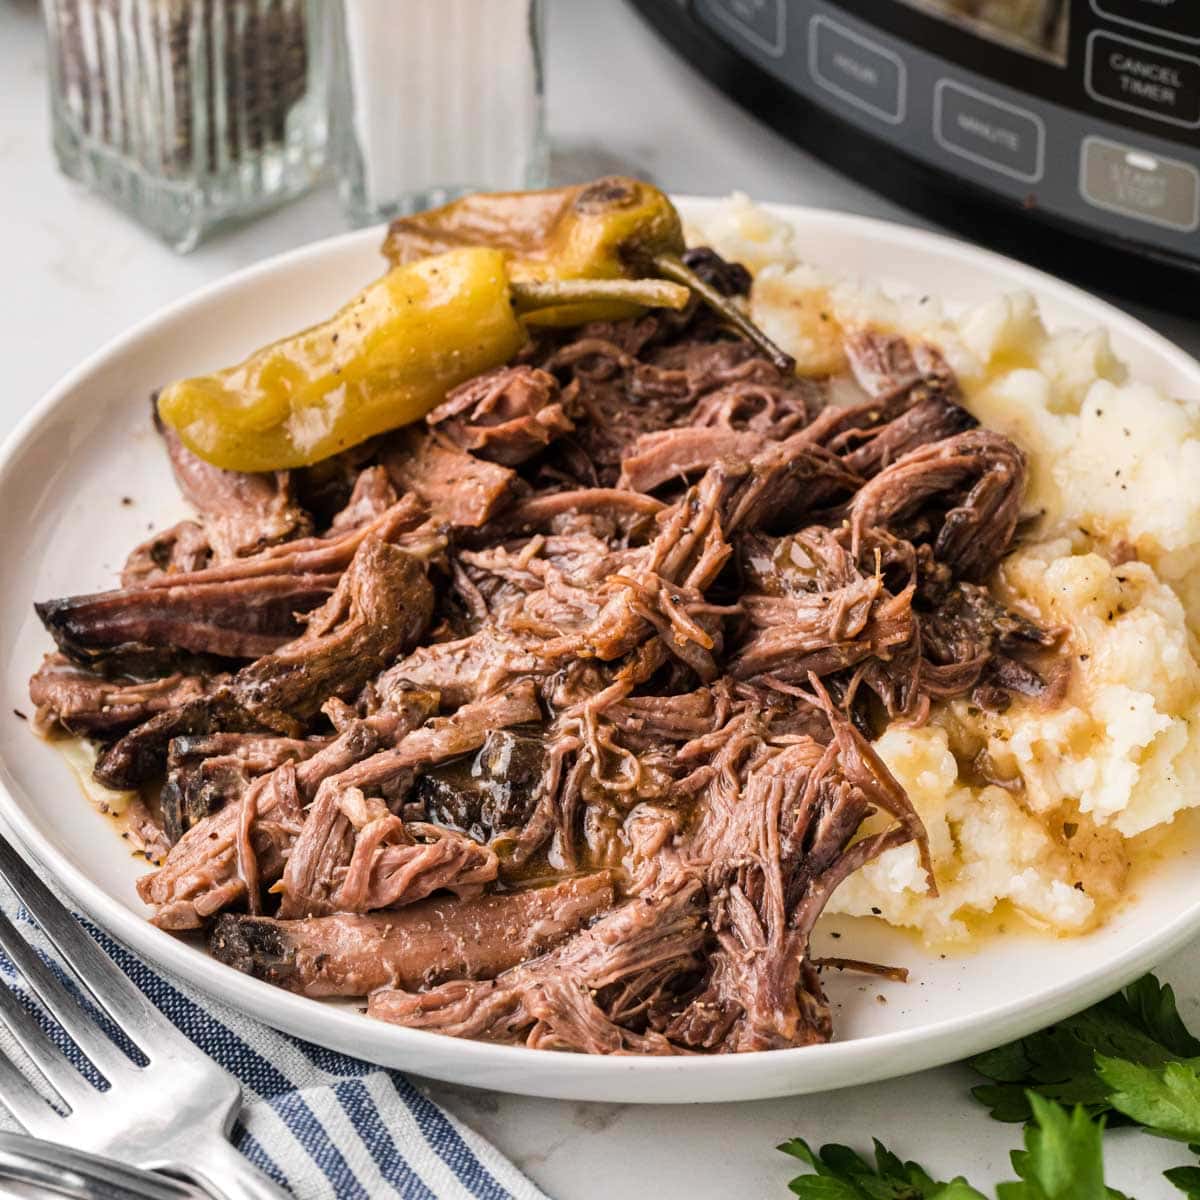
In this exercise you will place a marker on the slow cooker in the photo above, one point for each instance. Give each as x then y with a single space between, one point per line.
1066 132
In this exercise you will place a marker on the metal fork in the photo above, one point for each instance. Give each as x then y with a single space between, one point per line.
173 1115
53 1168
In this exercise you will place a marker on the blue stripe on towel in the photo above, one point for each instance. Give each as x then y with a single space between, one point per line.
447 1141
432 1122
360 1108
249 1145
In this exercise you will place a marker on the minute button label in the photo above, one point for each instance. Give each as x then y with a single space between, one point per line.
988 131
1144 79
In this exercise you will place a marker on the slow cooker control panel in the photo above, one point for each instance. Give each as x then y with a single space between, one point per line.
1099 123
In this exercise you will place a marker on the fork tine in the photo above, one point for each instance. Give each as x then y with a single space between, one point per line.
112 991
49 1059
27 1107
62 1006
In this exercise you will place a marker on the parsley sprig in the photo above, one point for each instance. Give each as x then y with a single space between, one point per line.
1069 1062
1129 1060
842 1175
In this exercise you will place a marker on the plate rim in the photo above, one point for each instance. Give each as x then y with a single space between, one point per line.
859 1060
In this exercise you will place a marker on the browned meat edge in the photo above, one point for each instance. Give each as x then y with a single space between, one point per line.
427 943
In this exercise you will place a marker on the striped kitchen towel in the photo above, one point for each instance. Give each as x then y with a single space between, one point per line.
321 1124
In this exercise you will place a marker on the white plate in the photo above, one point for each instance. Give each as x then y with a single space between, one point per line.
64 530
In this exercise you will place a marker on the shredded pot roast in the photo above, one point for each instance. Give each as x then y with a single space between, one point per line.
549 721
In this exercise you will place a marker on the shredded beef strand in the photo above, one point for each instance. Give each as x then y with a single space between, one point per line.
382 605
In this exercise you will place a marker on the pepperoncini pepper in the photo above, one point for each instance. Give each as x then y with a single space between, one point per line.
610 229
602 230
385 359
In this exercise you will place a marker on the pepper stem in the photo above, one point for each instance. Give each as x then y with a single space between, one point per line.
650 293
673 267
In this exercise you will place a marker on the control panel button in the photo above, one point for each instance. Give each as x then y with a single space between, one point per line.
1144 79
857 69
761 22
1138 184
1176 18
988 131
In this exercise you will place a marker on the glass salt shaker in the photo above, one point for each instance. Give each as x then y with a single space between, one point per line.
189 113
435 98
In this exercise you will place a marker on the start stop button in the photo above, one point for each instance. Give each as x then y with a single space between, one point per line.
1140 185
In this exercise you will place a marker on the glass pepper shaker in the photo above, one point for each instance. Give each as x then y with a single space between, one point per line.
189 113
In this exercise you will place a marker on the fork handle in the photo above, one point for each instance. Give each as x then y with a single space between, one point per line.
68 1172
226 1174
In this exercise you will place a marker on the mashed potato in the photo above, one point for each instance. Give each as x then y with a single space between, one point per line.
1114 559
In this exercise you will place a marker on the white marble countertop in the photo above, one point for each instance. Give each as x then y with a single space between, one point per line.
77 273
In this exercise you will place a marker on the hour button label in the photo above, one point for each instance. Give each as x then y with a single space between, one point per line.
856 68
1144 79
